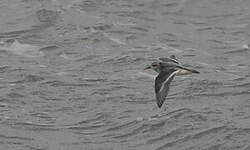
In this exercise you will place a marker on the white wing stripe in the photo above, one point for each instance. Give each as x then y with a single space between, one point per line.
162 85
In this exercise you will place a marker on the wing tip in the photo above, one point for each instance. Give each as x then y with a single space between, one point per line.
160 101
159 105
171 58
194 71
189 69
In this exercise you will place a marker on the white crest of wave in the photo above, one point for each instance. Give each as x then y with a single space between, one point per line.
25 50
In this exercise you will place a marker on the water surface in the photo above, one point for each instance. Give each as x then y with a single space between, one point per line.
72 77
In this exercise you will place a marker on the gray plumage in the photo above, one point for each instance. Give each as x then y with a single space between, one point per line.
168 68
172 58
162 84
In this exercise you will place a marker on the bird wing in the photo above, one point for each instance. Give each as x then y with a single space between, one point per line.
162 83
172 58
170 65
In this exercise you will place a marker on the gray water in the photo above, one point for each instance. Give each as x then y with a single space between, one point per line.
72 77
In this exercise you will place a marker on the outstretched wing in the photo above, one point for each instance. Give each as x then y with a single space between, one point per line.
172 58
162 83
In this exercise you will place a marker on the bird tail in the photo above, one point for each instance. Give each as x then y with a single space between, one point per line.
189 69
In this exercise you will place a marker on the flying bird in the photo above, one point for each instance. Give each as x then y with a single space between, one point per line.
167 68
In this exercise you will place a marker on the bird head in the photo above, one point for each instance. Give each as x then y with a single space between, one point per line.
154 66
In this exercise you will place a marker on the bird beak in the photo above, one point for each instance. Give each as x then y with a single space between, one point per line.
147 67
